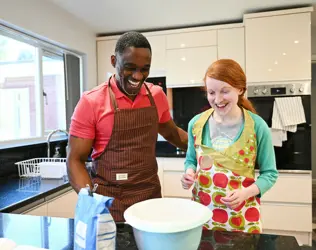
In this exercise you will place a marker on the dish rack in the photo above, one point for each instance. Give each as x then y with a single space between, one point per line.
31 168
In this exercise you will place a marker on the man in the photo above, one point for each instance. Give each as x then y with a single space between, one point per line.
120 120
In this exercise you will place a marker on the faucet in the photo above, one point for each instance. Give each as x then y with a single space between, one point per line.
50 135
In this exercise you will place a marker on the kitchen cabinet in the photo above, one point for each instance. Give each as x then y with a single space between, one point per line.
173 169
231 45
158 59
187 67
60 204
278 47
286 209
105 48
191 39
40 210
63 205
160 173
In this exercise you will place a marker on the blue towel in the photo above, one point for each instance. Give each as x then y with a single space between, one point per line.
94 225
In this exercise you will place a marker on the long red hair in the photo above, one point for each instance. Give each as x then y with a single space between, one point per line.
229 71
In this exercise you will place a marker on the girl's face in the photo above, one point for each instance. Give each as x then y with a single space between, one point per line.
222 97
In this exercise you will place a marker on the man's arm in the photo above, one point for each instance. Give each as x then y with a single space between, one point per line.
173 134
79 149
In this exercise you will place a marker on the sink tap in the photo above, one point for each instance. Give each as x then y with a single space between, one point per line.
49 137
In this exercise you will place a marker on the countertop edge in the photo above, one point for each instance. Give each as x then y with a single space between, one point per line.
15 207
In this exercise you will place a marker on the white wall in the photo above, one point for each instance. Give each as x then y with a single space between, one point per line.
50 22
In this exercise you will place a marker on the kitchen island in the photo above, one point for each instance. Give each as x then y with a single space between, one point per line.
58 233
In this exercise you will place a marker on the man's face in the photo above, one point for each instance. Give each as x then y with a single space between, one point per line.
132 68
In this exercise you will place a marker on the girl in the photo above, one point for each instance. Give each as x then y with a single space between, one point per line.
225 144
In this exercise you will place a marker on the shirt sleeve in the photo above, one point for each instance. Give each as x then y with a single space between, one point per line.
268 173
190 159
83 120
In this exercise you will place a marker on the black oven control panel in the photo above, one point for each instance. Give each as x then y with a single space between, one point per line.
287 89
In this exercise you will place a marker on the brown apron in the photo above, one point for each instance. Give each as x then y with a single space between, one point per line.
127 169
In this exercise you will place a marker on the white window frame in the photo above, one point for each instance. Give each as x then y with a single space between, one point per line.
41 47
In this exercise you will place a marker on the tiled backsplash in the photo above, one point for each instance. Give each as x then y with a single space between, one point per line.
8 157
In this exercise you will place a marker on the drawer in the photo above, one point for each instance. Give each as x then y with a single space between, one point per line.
292 188
191 39
286 217
173 187
302 238
174 164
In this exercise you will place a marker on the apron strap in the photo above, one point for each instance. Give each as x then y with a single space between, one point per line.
151 99
112 97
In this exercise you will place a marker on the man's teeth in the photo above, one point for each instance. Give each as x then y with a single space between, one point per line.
134 84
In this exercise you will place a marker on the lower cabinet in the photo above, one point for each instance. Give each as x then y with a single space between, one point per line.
40 210
62 204
286 209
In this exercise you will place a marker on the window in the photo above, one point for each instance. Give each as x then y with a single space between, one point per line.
34 97
54 92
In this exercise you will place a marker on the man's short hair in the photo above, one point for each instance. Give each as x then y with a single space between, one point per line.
131 39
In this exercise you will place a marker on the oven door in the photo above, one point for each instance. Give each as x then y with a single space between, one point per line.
295 153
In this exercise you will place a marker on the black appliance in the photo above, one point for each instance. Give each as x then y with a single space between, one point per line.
188 102
295 153
161 81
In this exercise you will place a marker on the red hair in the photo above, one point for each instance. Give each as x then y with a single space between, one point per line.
229 71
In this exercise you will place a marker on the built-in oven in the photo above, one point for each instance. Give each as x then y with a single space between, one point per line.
295 152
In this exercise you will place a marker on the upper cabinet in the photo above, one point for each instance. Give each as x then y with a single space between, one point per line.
191 39
188 56
278 47
158 59
187 67
269 46
105 49
231 45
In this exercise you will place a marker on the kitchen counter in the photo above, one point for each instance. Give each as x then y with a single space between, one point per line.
57 234
16 193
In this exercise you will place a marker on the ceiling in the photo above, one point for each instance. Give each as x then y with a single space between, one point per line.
117 16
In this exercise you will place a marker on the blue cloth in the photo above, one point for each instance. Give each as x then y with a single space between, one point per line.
94 225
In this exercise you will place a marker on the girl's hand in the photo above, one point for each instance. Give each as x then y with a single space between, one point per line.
235 198
188 178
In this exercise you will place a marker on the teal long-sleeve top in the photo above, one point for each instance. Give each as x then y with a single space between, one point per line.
268 173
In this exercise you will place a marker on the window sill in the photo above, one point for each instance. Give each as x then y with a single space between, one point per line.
32 141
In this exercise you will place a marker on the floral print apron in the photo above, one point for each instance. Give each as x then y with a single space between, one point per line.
221 172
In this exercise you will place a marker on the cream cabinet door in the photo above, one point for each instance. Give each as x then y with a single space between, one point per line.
104 51
40 210
231 45
287 217
278 48
63 205
158 58
187 67
191 39
160 162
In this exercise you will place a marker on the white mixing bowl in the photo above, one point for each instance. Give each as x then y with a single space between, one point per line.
167 223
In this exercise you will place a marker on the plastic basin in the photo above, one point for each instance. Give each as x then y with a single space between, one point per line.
167 223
